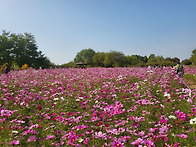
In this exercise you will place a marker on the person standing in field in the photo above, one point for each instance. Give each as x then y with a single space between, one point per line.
179 69
7 69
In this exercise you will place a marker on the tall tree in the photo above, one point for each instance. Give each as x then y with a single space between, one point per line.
176 60
193 57
85 55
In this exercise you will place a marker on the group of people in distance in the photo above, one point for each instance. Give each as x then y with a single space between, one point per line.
179 69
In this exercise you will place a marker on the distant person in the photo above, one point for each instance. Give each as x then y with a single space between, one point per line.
149 67
7 69
179 69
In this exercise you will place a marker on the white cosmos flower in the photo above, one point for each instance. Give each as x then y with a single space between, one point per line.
80 140
193 121
62 98
96 101
162 106
15 132
77 100
172 117
166 94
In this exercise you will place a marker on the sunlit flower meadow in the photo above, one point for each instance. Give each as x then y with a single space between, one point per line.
97 107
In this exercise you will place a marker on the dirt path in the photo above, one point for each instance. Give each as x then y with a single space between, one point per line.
191 84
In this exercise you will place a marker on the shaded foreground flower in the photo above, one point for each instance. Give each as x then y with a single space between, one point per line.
14 142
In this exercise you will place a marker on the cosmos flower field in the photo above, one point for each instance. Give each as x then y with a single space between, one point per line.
97 107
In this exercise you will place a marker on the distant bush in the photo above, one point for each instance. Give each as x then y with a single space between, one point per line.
186 62
161 63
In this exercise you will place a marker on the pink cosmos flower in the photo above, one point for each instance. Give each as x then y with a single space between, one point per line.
180 115
33 126
182 135
32 139
163 130
124 138
72 137
131 118
166 139
39 107
6 113
137 141
152 129
117 111
100 134
86 141
81 127
141 133
50 137
165 120
121 129
117 144
149 143
29 131
177 144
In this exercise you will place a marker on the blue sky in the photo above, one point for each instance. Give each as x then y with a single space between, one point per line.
62 28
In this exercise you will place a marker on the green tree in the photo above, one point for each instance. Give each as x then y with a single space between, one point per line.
145 59
151 56
193 57
114 59
85 55
136 60
155 60
128 61
68 65
168 59
19 49
176 60
6 48
98 59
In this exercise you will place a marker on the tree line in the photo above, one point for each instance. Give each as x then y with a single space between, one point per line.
118 59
